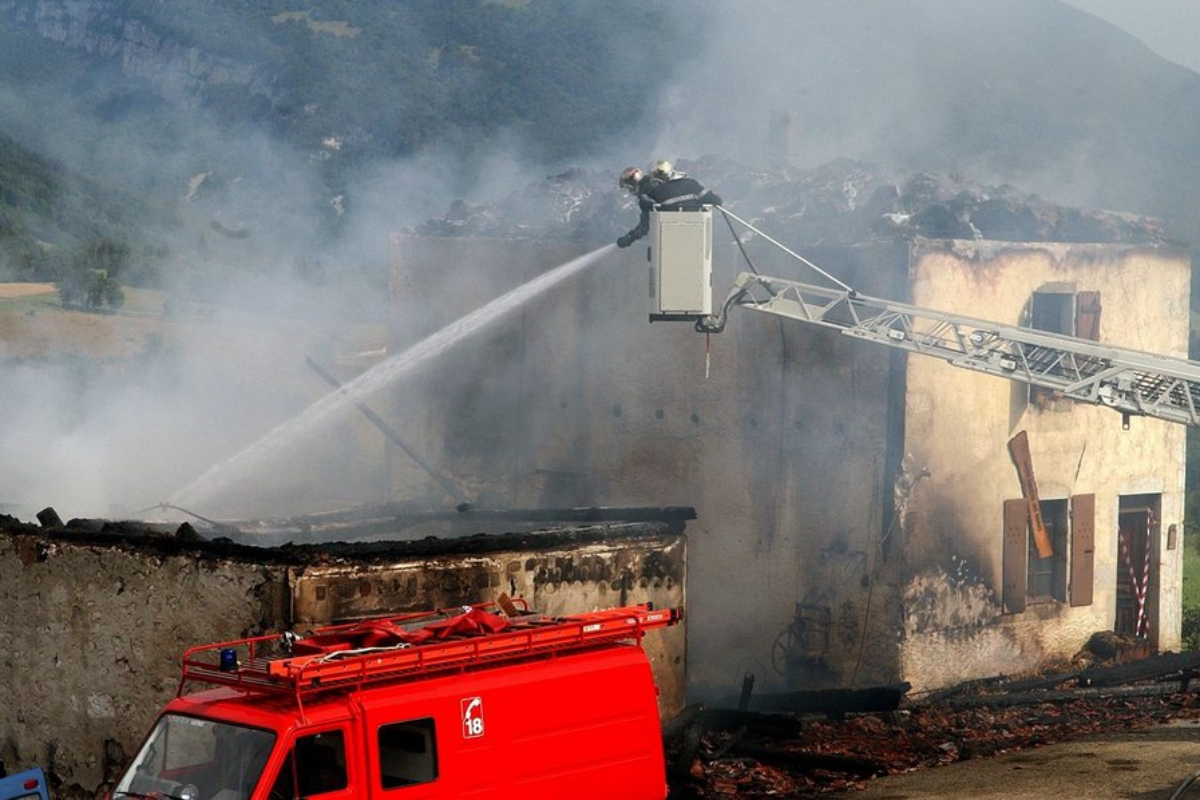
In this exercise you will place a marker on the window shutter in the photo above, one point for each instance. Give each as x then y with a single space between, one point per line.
1016 554
1087 315
1083 548
1018 448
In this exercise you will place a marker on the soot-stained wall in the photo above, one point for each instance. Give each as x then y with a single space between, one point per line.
957 623
95 624
781 443
836 482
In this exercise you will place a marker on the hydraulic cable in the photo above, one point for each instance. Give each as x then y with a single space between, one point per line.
164 506
729 214
738 240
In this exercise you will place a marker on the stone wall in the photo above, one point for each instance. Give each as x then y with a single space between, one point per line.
95 623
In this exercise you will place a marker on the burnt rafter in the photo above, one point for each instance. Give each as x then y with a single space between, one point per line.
392 520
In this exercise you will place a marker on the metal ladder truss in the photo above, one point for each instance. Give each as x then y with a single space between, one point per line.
1129 381
259 664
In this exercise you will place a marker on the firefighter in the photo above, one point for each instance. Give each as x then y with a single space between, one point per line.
638 183
664 189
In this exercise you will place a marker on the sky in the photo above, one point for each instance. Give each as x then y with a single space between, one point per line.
1170 28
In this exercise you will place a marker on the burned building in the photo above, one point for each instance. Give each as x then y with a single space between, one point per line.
988 593
858 510
99 613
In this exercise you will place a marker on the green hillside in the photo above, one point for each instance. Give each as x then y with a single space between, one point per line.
238 135
393 78
51 218
266 135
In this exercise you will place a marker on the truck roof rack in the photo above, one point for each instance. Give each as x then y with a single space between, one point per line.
415 645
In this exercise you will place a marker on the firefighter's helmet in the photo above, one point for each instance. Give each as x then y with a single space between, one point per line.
663 170
630 178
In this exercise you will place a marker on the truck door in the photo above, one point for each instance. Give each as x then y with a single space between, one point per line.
317 766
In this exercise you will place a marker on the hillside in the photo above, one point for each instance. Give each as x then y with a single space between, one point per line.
46 209
280 139
381 79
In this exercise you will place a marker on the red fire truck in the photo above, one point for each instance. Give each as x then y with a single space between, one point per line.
485 701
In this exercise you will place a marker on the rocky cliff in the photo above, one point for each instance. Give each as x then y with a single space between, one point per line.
111 31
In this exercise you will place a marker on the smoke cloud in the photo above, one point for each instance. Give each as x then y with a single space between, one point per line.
270 259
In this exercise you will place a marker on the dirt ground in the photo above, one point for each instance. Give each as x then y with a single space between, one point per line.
1140 765
25 289
1137 741
34 325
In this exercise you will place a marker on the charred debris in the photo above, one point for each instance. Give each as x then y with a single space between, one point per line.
841 202
808 743
363 534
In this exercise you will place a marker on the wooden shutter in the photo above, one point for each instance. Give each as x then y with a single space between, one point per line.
1018 448
1087 315
1083 548
1016 555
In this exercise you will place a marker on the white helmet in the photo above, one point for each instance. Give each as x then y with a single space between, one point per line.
663 170
630 178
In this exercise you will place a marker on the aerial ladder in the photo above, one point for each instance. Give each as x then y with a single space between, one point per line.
410 646
1132 382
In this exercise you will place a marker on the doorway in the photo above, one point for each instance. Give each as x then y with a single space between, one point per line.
1137 578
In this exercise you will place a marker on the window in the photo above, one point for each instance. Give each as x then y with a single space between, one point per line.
1029 577
407 753
317 763
1047 577
210 756
1059 308
1053 311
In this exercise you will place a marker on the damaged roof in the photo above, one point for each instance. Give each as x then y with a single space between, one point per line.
345 536
841 202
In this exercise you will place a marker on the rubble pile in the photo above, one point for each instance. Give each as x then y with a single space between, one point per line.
716 753
841 202
920 738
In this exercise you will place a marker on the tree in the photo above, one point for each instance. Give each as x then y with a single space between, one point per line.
92 279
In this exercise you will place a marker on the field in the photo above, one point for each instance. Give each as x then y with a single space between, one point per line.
33 324
11 290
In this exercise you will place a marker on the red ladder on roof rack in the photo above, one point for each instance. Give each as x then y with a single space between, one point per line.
334 656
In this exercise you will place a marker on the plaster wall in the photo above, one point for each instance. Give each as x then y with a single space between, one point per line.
958 424
777 435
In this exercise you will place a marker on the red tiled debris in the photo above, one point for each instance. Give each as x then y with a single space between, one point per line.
920 738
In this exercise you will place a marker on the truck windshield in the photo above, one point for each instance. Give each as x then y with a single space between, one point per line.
188 758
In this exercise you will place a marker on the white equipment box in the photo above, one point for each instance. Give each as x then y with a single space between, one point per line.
680 265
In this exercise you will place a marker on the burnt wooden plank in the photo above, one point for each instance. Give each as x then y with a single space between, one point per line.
1018 448
1154 667
834 702
1067 696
